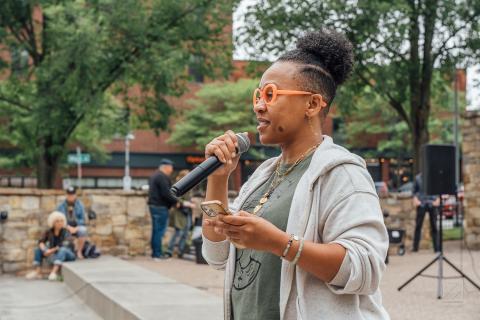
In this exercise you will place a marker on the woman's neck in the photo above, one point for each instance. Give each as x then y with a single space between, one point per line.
293 150
56 231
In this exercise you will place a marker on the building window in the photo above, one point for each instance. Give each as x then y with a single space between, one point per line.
18 182
195 69
86 183
109 183
138 183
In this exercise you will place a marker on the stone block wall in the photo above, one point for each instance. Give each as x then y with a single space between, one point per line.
471 177
122 226
401 215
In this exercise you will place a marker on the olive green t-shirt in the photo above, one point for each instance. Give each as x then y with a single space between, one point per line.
256 283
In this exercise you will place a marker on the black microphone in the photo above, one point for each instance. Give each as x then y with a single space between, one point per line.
207 167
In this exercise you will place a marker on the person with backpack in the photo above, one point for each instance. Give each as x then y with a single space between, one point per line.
74 212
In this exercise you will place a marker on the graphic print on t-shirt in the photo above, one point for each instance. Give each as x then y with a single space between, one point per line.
245 275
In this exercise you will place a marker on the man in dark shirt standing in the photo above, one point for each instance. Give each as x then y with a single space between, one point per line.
160 199
424 204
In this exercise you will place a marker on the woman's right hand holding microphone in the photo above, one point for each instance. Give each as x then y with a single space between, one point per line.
223 147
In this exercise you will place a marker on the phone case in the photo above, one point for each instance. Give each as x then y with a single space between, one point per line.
213 209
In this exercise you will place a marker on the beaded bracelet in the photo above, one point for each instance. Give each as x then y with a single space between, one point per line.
297 256
289 245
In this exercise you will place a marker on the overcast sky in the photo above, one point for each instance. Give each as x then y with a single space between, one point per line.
238 52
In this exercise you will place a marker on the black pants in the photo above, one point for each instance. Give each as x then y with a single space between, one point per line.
432 211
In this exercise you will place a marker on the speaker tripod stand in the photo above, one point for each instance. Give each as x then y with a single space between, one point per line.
440 258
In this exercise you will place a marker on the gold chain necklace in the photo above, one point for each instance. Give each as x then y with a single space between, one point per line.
279 177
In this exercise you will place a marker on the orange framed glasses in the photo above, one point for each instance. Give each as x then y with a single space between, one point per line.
270 92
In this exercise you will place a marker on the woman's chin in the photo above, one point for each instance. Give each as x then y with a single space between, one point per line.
266 139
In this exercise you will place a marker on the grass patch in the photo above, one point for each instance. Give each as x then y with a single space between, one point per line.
452 234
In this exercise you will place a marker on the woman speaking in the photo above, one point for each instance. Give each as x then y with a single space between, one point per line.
307 238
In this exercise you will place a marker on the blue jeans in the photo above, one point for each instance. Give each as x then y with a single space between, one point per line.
63 254
182 233
159 226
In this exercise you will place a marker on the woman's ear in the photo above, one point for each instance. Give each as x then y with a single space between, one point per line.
315 105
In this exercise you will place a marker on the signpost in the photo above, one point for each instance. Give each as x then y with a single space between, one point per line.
127 180
78 159
84 158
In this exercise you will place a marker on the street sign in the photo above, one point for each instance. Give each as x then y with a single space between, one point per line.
84 158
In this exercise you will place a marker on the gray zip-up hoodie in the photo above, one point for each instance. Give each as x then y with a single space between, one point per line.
334 202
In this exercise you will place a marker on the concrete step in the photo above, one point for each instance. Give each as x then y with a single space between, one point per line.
117 289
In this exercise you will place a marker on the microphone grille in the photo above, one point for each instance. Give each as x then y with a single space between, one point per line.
243 142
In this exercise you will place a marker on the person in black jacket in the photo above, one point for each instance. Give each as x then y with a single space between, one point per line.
423 204
160 199
56 246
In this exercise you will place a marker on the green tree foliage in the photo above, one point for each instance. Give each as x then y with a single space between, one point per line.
398 45
72 69
217 107
367 113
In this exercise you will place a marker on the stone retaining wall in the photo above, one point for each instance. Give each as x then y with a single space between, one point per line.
401 215
122 226
471 177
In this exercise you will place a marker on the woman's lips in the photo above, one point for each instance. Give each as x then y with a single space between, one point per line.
262 124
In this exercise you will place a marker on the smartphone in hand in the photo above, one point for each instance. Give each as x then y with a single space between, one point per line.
213 208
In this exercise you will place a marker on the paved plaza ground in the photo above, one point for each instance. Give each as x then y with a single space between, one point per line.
21 299
418 300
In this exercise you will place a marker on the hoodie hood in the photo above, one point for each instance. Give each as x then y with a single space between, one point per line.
330 155
327 156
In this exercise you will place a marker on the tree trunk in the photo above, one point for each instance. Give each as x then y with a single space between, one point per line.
420 136
47 167
421 77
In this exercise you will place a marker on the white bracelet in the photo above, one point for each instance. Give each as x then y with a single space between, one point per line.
299 252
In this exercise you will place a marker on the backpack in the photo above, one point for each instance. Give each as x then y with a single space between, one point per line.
90 250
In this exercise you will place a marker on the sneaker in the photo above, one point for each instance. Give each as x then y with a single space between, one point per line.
33 275
161 258
53 276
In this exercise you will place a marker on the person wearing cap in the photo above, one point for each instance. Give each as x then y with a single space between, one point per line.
160 199
74 212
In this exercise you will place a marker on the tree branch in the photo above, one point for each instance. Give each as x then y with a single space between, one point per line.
394 52
454 33
396 105
116 70
28 27
15 103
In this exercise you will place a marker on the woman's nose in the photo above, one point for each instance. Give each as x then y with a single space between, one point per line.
260 106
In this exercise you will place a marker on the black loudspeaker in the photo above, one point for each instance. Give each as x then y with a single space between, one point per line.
438 169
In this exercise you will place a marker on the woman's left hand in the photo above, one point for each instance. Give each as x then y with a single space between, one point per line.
248 230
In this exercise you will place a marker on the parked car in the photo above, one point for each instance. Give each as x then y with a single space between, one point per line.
381 188
449 206
450 203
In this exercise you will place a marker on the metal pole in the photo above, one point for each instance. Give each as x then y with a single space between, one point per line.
127 180
79 168
455 132
440 246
